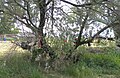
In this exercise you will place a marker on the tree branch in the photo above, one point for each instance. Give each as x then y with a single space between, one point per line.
1 10
81 31
29 17
28 13
49 2
52 13
83 5
91 39
76 5
111 25
19 18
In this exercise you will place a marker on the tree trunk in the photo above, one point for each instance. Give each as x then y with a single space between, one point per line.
40 39
42 7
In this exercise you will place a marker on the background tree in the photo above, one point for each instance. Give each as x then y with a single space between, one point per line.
28 13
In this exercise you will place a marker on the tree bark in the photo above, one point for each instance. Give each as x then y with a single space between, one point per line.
42 8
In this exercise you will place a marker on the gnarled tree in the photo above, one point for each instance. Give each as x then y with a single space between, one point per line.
36 14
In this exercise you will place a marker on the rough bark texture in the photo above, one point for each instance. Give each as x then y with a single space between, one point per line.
42 7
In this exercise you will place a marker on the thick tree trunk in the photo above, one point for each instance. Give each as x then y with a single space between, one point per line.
40 40
42 7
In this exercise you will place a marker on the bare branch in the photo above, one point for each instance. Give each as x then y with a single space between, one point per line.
111 25
26 9
81 31
82 5
19 18
16 18
115 23
1 10
52 13
91 39
29 17
49 2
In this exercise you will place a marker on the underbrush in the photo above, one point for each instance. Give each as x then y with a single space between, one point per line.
94 65
94 62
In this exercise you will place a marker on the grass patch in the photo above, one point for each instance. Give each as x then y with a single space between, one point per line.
19 67
94 65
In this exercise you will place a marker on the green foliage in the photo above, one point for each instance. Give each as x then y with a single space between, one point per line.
93 65
60 44
94 62
35 53
7 25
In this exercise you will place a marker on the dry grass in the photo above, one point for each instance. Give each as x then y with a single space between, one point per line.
7 48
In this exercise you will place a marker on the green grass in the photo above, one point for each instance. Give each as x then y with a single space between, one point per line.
92 64
19 67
